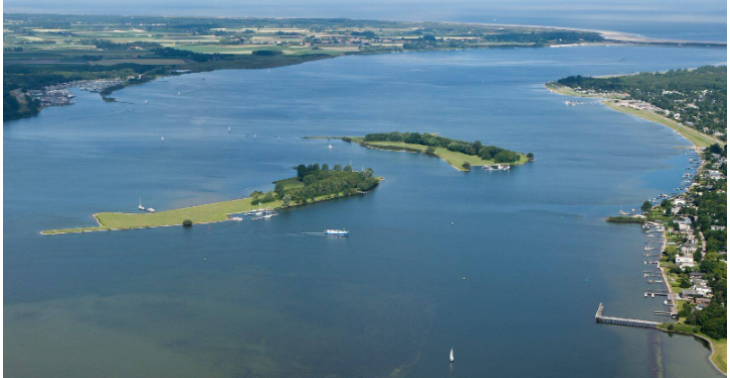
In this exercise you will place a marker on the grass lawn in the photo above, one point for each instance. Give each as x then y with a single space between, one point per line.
454 158
212 212
208 213
720 355
697 138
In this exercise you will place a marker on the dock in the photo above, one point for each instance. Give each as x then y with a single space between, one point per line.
600 318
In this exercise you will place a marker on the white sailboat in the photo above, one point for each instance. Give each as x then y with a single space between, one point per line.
140 205
229 129
451 356
162 139
329 147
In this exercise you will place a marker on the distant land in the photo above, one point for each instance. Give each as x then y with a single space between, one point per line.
44 55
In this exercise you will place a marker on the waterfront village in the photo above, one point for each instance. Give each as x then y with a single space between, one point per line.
696 231
687 242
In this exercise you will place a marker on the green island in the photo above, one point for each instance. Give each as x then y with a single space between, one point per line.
690 102
313 183
46 54
459 154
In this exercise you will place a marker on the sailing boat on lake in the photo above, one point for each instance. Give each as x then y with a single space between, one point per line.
451 356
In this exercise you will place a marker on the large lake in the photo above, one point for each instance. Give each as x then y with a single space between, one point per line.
507 268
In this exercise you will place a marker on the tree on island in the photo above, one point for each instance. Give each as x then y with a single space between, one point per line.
466 165
530 156
187 223
646 206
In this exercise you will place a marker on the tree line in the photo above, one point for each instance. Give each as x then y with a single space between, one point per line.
320 181
498 155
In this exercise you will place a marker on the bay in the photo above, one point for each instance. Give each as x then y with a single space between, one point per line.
507 268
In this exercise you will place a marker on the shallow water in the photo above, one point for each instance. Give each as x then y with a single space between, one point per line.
512 285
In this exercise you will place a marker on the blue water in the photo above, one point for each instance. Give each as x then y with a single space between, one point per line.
512 285
703 20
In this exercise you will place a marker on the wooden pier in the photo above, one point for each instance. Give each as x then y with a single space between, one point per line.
600 318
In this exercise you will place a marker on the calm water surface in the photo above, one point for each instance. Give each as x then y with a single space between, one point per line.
512 285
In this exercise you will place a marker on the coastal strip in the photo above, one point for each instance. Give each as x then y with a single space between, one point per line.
686 296
697 138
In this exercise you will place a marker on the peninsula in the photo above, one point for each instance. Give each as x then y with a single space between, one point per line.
313 183
459 154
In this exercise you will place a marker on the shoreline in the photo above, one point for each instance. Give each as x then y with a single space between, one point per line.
696 138
565 91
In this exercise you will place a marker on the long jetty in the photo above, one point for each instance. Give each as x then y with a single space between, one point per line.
600 318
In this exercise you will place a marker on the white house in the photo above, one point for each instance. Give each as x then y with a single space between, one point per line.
682 259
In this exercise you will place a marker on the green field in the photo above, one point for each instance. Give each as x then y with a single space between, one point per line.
212 212
146 62
455 159
697 138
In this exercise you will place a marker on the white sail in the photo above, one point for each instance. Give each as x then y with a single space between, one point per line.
451 355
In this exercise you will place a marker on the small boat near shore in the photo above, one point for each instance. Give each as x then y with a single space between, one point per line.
497 167
265 215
